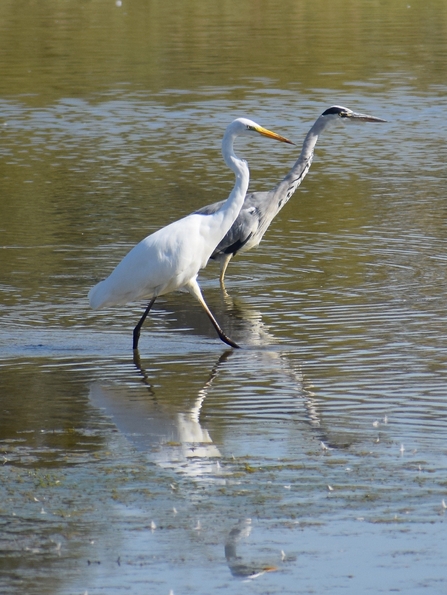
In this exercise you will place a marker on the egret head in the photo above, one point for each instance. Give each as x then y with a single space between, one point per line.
244 126
340 113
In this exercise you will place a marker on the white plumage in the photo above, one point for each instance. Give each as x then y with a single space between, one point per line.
171 258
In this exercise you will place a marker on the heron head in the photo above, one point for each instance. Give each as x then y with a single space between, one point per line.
338 112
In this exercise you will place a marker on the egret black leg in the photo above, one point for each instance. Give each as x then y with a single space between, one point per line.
223 337
137 329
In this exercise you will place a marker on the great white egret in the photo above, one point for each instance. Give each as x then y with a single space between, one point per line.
260 208
171 258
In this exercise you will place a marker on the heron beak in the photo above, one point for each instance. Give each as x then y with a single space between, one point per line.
273 135
363 117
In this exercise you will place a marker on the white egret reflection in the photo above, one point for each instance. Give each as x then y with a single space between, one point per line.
170 428
171 438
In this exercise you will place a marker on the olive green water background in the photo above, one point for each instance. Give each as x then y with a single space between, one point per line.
313 460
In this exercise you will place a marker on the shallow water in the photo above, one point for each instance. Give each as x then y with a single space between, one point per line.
311 460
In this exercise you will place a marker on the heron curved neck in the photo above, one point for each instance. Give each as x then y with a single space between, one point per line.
301 166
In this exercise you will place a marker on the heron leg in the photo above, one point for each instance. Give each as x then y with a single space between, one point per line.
223 268
137 329
194 289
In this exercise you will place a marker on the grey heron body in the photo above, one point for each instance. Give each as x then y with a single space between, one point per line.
260 208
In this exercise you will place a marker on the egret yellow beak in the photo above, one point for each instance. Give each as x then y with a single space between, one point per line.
271 134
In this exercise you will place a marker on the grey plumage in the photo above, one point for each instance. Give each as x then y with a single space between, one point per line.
260 208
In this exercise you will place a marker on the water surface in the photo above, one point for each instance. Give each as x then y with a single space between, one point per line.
314 459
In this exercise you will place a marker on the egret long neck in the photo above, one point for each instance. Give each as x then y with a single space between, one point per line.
228 212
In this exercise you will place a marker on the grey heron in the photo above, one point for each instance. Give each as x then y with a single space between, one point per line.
260 208
171 258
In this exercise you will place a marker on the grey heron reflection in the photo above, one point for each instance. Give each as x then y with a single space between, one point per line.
241 566
294 394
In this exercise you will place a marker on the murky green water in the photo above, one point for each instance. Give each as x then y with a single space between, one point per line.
314 459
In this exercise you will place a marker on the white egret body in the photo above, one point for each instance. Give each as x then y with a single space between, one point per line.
171 258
